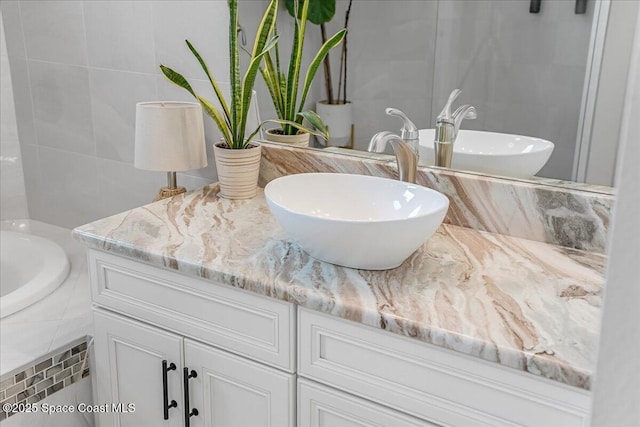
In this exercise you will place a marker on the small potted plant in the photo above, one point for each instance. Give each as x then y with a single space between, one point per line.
335 110
284 88
237 156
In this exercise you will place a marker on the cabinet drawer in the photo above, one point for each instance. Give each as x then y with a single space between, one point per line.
320 406
256 327
427 381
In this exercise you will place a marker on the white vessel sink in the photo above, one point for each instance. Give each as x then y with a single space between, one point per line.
493 153
356 221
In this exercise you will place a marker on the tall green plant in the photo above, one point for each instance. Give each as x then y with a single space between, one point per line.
232 120
284 88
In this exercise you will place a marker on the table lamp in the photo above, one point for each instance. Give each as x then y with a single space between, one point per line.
169 138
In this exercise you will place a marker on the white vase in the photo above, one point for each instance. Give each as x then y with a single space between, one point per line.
237 170
299 140
339 119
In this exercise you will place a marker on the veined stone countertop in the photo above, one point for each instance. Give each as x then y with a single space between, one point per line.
523 304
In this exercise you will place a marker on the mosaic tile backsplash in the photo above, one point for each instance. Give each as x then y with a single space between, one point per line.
33 383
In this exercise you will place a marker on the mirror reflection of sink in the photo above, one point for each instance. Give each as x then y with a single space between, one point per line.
492 153
356 221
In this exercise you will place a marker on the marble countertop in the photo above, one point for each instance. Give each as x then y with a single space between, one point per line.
523 304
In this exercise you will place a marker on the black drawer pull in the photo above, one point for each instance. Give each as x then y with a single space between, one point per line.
187 412
165 389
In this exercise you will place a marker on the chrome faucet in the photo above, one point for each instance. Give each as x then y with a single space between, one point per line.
447 126
404 146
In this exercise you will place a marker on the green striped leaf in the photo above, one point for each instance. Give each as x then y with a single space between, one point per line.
177 79
213 82
315 64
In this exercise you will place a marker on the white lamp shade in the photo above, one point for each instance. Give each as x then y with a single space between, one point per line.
169 136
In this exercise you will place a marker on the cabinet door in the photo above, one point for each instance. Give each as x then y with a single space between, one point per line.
129 370
321 406
230 391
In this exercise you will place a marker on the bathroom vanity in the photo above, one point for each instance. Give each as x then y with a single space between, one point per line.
206 314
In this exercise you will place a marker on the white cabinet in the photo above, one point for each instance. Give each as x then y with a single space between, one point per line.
230 359
320 406
204 386
233 392
430 382
129 360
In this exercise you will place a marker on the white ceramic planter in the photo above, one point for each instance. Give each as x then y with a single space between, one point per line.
339 119
238 170
299 140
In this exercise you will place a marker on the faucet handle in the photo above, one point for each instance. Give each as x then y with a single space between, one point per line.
465 112
445 114
409 130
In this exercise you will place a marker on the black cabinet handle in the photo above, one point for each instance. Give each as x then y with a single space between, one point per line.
534 6
165 389
581 7
193 412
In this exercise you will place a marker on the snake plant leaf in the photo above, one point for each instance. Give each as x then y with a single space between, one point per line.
296 125
262 44
234 70
233 118
315 64
177 79
315 120
293 76
213 82
250 78
217 117
271 79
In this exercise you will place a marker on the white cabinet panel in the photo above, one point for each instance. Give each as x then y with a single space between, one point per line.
253 326
429 382
320 406
128 364
229 391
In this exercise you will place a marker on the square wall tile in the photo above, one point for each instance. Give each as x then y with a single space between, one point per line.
54 31
114 95
204 24
62 106
12 26
120 35
123 187
22 100
31 176
69 188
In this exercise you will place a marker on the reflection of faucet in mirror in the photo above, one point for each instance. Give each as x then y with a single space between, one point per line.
404 146
447 125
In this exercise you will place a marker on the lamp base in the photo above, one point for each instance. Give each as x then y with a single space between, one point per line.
166 192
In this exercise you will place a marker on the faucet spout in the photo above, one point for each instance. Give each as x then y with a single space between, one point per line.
407 160
406 156
447 126
406 146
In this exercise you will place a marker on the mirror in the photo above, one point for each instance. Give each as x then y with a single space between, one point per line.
525 73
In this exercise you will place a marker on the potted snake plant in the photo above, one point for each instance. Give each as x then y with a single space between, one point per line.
284 88
237 157
336 111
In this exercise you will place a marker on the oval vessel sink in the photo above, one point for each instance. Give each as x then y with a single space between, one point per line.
492 153
356 221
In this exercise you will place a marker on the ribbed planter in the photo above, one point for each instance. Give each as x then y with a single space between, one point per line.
237 170
299 140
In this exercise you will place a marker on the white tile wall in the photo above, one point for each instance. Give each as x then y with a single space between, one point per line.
78 69
13 203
